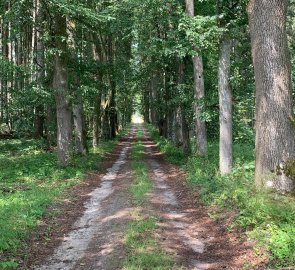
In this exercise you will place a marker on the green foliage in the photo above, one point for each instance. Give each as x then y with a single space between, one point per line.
30 180
8 265
173 154
267 217
202 32
144 251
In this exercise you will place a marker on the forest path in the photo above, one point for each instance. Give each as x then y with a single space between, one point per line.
95 239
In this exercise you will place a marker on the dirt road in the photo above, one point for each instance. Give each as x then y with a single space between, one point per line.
91 237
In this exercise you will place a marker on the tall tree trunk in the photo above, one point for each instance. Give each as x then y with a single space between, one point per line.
153 100
201 134
200 125
225 105
112 109
97 55
177 126
62 97
146 102
275 144
96 128
50 124
39 122
77 105
184 124
79 124
40 69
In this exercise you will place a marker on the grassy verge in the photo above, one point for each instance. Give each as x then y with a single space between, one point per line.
143 247
267 217
30 180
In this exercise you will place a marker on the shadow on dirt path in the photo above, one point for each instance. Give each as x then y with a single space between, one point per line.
185 228
89 233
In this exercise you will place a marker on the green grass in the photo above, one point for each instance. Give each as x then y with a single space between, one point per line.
30 180
267 216
143 247
173 154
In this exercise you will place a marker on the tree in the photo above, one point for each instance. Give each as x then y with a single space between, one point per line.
225 105
200 125
274 143
60 85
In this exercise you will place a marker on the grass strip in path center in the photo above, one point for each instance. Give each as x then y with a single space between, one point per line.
144 251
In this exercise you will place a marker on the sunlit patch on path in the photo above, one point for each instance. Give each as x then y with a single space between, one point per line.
75 244
174 223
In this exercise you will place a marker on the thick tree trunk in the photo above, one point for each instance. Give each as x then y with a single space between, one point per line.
62 97
201 134
225 105
275 144
77 104
200 125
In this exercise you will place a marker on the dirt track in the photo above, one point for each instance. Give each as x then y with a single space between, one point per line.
91 237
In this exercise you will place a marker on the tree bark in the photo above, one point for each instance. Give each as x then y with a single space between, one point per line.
97 55
50 125
153 100
199 90
275 144
96 128
113 110
62 97
177 127
40 69
146 102
79 125
225 105
184 124
201 133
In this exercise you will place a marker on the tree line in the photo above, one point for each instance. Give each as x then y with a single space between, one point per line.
198 70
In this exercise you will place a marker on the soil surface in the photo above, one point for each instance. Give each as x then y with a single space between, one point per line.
86 230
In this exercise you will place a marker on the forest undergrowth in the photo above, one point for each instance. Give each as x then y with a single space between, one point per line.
30 181
265 216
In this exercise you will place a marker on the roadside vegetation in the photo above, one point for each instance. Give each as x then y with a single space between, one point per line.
31 180
144 251
267 217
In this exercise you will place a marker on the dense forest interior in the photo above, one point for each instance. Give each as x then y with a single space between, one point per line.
214 81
